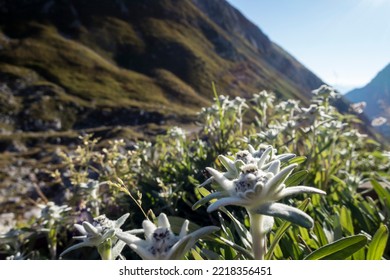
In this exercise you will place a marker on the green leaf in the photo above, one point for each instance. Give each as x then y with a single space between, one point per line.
296 178
282 229
225 242
211 255
203 191
382 192
244 234
291 245
378 243
338 180
346 220
359 255
325 147
196 255
340 249
319 232
297 160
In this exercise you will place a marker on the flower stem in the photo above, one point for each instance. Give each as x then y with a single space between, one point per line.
259 246
52 237
104 250
123 188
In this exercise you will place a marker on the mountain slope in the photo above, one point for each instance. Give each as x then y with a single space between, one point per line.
376 95
83 64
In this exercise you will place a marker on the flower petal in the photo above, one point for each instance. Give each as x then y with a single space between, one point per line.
82 237
131 239
80 229
208 181
291 214
228 164
149 228
264 156
117 249
136 231
107 234
251 149
199 233
121 220
186 243
299 190
279 178
207 198
142 252
163 221
250 194
285 157
89 228
281 158
184 229
274 167
222 180
179 249
259 188
238 164
231 200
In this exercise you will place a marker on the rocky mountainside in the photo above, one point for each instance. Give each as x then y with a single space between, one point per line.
376 98
68 65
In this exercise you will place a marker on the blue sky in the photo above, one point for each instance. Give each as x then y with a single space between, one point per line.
345 42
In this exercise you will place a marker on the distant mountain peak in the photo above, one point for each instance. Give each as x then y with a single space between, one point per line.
376 95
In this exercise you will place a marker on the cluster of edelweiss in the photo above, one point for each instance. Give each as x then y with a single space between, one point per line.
253 180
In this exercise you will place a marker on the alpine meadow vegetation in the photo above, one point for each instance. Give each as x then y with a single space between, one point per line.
260 178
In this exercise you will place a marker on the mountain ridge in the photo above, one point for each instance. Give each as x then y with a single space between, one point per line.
65 61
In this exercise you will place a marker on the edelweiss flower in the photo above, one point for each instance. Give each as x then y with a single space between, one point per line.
270 134
91 188
258 190
359 107
378 121
161 243
263 97
50 212
95 234
7 222
287 106
261 157
258 187
325 91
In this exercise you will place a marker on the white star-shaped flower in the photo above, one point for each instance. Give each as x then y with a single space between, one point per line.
325 91
161 243
261 157
99 231
259 190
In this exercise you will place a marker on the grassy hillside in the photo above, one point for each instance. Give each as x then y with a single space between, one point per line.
126 69
154 56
